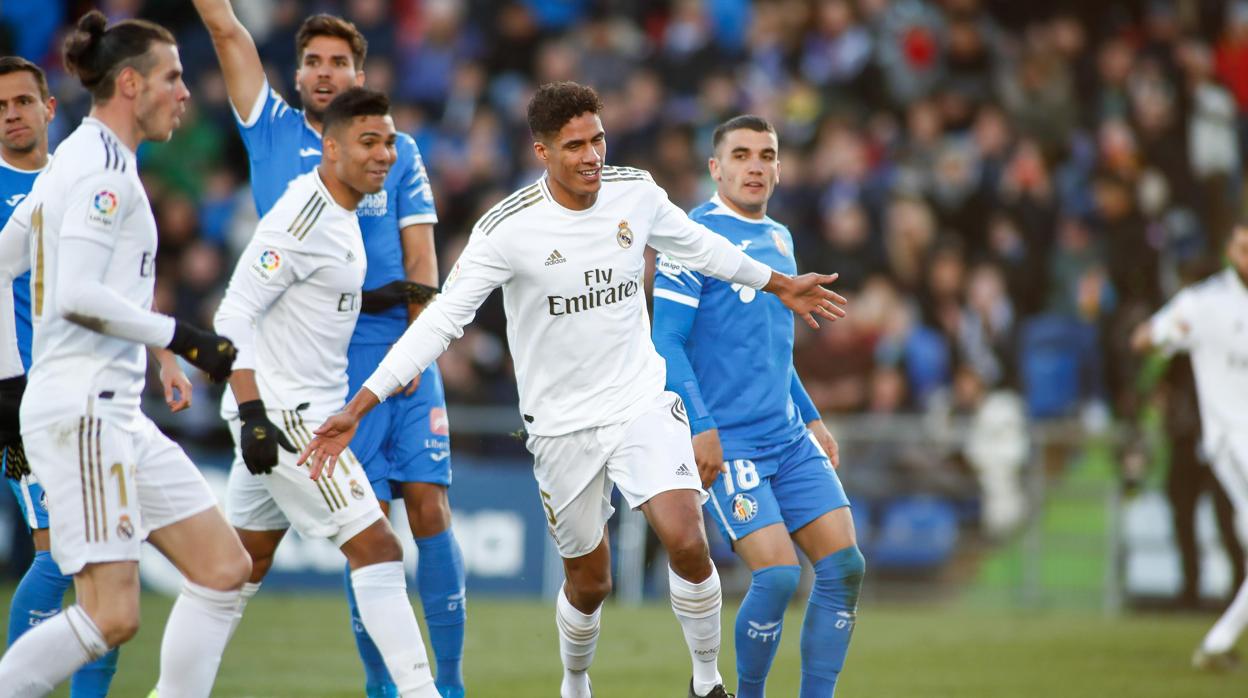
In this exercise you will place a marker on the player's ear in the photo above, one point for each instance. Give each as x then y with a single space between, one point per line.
359 78
539 149
329 145
777 170
712 164
51 106
128 82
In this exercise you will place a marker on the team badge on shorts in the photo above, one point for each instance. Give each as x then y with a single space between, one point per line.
356 490
125 528
624 235
744 507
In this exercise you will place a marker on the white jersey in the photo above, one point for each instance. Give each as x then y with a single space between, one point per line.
577 321
1210 320
293 300
90 192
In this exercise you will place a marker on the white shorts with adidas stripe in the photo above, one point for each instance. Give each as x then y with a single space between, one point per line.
650 454
335 508
108 487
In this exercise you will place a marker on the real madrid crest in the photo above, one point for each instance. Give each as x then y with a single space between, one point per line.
356 490
624 235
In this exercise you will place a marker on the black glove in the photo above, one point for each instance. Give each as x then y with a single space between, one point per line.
207 351
395 293
11 390
260 438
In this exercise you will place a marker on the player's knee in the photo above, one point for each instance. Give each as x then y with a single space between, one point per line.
780 581
429 517
117 623
690 557
587 591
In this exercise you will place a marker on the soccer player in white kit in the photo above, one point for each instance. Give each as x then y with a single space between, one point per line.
1210 321
291 306
568 252
111 478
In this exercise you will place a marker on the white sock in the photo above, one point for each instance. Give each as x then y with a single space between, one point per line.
578 638
244 595
195 635
381 596
50 653
697 608
1226 631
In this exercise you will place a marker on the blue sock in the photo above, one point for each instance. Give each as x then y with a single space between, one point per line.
440 579
93 680
759 622
38 597
377 681
829 622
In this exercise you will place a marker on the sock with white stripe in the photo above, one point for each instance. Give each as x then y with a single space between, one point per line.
381 595
49 653
578 638
697 607
199 625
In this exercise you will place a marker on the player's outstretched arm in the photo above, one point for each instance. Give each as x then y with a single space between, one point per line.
331 438
236 50
806 296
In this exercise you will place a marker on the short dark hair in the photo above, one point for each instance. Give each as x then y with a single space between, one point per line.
17 64
97 52
557 103
353 102
337 27
736 123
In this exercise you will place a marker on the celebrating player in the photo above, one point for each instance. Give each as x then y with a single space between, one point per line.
568 252
110 477
404 446
296 293
26 107
1207 320
729 353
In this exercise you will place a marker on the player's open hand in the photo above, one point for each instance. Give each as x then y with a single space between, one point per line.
708 453
806 296
328 442
176 385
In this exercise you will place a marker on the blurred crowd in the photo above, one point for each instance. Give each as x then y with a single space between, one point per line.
1005 188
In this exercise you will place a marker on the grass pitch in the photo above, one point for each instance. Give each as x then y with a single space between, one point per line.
299 645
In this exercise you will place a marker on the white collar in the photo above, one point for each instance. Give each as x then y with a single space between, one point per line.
724 209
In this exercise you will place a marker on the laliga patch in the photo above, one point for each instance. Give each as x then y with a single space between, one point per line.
102 213
669 267
267 265
744 507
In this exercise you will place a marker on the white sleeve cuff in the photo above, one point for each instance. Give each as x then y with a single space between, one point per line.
752 273
417 219
382 383
254 115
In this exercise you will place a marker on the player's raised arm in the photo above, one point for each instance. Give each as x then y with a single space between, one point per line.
480 270
236 50
691 244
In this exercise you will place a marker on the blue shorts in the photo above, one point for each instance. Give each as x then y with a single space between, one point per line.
31 500
407 437
804 487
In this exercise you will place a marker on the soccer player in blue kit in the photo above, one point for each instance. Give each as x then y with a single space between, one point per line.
760 444
26 108
405 447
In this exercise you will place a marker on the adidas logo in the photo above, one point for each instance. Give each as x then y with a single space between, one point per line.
555 258
684 470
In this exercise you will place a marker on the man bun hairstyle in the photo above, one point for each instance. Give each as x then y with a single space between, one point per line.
17 64
557 103
749 122
337 27
353 102
97 53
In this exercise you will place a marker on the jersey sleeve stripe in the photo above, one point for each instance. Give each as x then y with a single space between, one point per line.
668 294
533 199
503 206
302 212
108 152
418 219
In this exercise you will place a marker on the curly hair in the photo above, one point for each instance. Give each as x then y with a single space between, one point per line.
557 103
336 27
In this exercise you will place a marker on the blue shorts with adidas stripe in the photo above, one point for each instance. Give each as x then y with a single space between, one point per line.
407 437
31 500
793 484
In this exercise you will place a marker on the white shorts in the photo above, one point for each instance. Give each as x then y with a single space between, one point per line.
335 508
649 455
108 487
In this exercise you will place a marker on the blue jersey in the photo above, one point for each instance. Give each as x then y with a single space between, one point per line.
282 145
729 348
15 184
